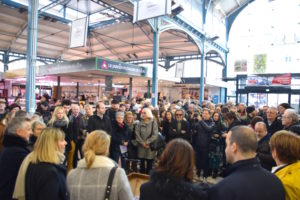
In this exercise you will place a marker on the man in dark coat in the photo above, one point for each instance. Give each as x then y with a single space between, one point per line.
201 140
179 127
290 121
111 112
14 151
99 121
78 124
245 178
263 149
272 121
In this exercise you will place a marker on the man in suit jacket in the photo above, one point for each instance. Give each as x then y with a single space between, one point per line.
180 128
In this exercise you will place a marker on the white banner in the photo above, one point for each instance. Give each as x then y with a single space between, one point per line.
146 9
78 33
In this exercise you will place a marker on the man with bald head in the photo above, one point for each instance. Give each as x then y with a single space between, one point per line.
263 150
245 178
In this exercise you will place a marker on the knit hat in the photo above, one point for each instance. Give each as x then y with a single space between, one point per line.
250 109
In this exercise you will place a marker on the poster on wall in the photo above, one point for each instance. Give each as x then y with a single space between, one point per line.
260 63
240 66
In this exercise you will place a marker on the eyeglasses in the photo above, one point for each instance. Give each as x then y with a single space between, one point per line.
178 114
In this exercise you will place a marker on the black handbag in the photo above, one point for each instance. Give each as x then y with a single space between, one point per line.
159 143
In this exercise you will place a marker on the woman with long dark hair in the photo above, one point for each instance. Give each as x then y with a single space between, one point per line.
217 145
166 125
173 176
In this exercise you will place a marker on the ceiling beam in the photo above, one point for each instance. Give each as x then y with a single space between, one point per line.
101 41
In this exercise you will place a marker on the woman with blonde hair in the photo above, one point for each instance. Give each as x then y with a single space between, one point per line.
146 132
46 175
90 179
60 120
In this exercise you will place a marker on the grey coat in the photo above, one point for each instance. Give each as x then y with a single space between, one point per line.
90 184
142 133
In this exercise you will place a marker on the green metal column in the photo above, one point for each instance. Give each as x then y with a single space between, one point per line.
31 55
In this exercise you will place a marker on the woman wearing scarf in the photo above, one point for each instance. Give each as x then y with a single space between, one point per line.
119 139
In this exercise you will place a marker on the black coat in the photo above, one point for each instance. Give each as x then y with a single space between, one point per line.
111 114
166 126
46 181
13 153
202 137
247 180
78 125
173 133
96 123
275 126
264 153
164 187
236 122
64 126
295 128
118 136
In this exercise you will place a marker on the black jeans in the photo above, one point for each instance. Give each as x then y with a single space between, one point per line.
202 161
115 155
146 165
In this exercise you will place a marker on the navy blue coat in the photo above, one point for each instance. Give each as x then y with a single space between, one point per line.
202 137
11 158
46 181
247 180
118 137
163 186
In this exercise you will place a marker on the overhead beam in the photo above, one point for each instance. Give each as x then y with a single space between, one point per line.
101 41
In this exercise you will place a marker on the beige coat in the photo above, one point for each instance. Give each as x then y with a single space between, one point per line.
142 133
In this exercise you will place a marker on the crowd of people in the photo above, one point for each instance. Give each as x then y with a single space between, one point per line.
72 150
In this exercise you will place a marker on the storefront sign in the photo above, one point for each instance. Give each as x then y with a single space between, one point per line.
284 79
119 67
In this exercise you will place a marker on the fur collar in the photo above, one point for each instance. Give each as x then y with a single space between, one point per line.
176 188
100 161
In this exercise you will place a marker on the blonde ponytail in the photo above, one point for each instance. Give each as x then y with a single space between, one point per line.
89 157
96 143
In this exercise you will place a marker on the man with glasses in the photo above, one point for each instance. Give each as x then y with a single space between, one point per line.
272 122
180 128
290 121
